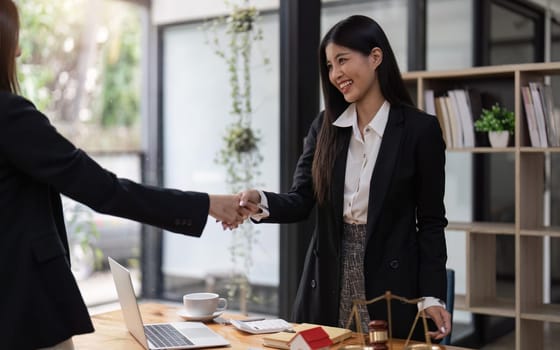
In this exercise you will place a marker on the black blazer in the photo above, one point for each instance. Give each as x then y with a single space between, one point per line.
40 304
406 251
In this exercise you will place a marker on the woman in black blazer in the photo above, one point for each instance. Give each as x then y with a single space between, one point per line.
40 303
374 165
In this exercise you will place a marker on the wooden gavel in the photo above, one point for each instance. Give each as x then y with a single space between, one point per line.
378 335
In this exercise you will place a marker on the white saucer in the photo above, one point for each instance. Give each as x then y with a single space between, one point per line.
184 314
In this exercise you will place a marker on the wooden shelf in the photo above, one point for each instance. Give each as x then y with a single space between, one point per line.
549 68
539 149
496 228
497 307
460 302
483 150
482 295
545 313
541 232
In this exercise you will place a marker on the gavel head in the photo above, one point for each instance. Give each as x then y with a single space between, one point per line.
378 332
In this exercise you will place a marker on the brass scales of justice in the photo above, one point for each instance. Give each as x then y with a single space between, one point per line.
380 337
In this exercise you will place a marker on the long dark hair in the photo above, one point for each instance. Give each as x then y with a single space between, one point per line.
9 36
362 34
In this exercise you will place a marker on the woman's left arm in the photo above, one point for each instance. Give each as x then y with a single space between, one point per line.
430 210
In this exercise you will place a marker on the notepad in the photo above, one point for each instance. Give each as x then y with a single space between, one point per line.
281 340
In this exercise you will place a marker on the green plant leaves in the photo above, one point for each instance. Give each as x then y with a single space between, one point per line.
496 118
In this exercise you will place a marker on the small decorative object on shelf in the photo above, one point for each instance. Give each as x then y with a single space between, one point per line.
376 326
498 122
498 138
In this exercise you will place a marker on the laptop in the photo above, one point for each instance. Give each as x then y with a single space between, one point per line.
173 335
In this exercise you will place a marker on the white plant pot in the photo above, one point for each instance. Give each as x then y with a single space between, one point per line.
498 138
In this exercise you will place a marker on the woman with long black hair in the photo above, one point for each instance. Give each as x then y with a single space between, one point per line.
374 166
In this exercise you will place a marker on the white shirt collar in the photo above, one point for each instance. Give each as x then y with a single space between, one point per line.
350 118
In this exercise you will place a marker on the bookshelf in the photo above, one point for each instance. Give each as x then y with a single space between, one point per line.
526 306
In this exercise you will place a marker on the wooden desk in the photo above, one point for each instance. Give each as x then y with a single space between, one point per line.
111 333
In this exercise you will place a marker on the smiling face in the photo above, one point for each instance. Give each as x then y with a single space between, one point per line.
352 72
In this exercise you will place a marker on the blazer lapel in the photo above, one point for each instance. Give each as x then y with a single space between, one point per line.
384 166
339 175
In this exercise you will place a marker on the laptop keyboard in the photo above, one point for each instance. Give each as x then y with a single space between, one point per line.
165 335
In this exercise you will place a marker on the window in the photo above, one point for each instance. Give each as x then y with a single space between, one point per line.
449 34
512 36
80 66
195 111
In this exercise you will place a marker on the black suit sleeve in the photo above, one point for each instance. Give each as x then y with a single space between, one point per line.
431 211
296 205
37 150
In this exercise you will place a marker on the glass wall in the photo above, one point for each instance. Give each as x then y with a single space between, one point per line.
512 36
196 109
93 237
390 14
449 40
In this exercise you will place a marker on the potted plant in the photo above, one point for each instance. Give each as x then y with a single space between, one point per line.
498 122
234 37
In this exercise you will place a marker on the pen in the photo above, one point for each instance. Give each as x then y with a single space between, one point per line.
249 319
225 321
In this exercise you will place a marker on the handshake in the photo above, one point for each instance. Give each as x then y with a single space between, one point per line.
231 210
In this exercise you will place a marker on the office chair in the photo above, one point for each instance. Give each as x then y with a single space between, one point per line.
450 301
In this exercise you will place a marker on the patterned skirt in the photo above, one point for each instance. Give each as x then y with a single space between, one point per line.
352 278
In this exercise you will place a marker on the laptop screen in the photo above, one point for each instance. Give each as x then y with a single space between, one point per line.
127 299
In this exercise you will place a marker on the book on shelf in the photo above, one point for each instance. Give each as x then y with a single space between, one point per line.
539 113
281 340
551 115
443 118
530 117
429 102
456 126
457 110
459 96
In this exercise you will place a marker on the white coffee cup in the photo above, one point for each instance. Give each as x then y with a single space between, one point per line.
203 304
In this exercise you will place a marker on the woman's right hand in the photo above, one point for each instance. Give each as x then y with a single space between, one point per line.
250 200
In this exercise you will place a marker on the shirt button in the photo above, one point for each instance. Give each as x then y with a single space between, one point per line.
367 129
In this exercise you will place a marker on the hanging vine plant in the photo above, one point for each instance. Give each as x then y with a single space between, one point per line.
240 153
